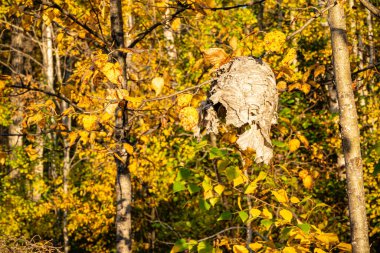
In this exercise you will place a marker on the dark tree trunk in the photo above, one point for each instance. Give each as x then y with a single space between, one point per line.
123 177
17 65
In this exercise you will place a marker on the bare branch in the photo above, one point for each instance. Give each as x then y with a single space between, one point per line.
59 96
178 92
142 35
373 9
319 14
24 54
234 7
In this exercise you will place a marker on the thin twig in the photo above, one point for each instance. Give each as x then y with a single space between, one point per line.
178 92
73 18
142 35
21 52
319 14
59 96
233 7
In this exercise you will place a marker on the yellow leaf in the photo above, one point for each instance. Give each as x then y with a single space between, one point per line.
239 203
89 122
82 34
303 173
233 43
122 93
83 136
262 175
240 249
184 99
112 71
294 144
305 88
158 85
251 188
35 119
68 111
319 70
289 250
318 250
216 57
176 24
281 196
255 246
308 182
290 56
281 86
188 118
239 180
294 200
254 213
267 214
128 147
287 215
219 189
294 86
274 41
303 140
72 137
344 247
32 153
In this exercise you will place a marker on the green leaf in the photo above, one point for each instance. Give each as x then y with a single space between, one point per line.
304 227
179 246
204 205
183 174
193 188
243 216
266 223
178 186
225 216
204 247
232 173
217 153
279 144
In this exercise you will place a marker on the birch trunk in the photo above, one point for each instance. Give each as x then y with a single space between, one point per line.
47 55
123 177
169 39
349 130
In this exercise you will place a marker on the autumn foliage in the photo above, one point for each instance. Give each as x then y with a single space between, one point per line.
192 190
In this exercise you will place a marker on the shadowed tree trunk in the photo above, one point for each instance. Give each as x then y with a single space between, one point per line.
17 65
123 177
349 130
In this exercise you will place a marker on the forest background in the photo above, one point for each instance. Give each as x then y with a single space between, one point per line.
98 107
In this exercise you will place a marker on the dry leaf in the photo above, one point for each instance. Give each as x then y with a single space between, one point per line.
216 57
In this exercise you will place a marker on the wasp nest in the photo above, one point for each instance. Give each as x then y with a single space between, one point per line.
244 95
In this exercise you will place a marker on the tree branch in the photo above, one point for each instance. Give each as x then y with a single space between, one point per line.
320 13
373 9
142 35
73 18
59 96
234 7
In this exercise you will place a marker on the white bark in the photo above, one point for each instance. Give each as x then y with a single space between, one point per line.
349 130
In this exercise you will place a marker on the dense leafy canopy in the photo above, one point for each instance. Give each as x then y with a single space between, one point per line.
205 194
